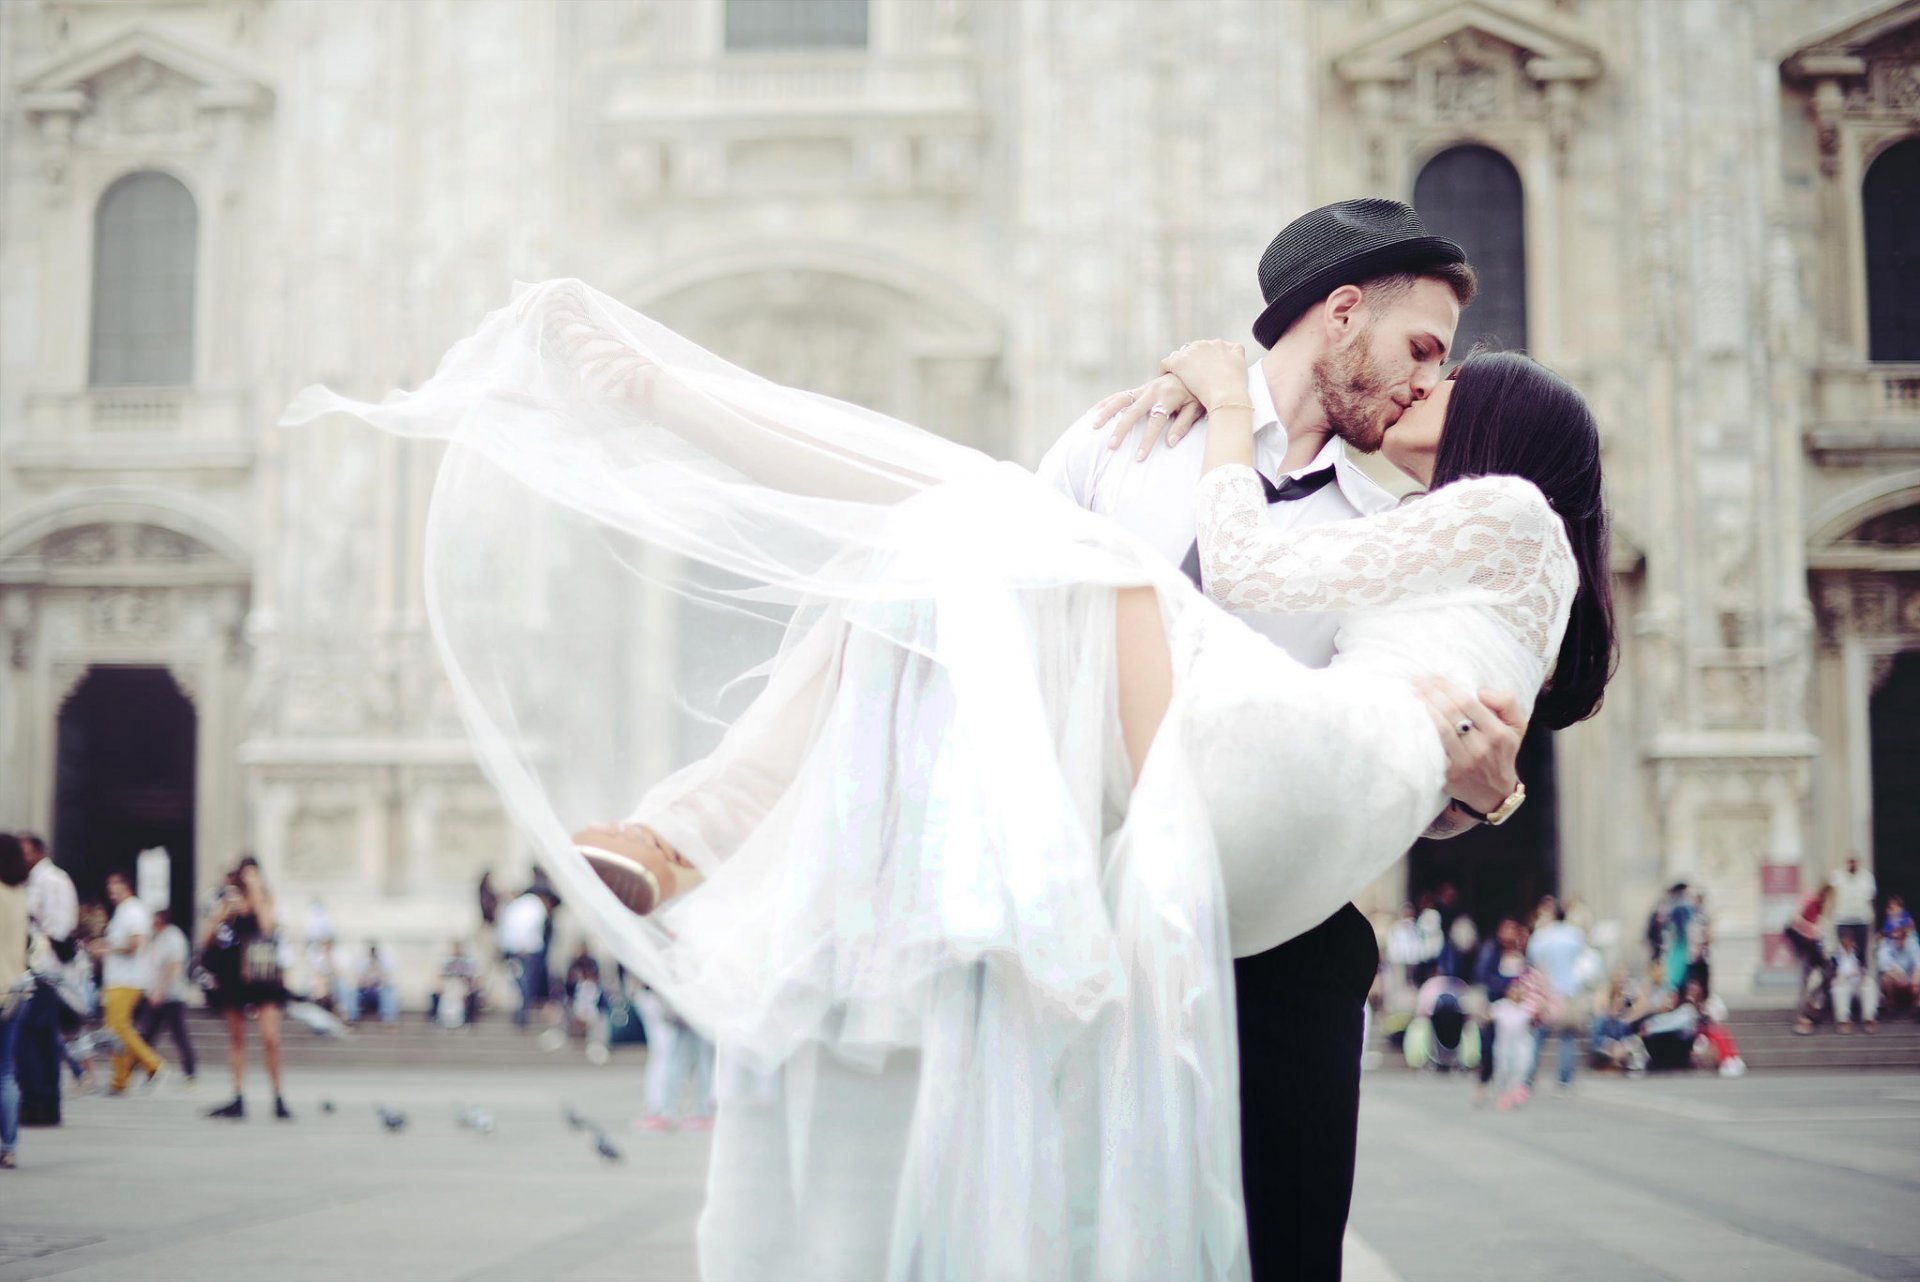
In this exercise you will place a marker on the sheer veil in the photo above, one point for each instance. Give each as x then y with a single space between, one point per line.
637 554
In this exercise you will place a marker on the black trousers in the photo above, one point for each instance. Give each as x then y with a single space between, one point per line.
173 1017
1301 1028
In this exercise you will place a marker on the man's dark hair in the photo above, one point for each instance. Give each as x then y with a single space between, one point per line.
1382 292
1511 416
34 843
13 860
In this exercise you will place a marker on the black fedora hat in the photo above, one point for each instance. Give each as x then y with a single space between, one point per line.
1342 244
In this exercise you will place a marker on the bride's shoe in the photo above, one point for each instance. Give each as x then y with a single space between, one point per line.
640 882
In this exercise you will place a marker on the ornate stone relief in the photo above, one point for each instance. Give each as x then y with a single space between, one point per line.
1890 529
1866 74
100 545
1873 605
140 102
141 89
119 614
16 621
1466 66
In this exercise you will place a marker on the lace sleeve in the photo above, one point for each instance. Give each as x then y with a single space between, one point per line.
1490 540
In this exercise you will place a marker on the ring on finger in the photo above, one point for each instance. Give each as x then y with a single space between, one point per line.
1463 727
1158 411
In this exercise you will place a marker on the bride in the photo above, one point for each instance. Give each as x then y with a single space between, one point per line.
966 875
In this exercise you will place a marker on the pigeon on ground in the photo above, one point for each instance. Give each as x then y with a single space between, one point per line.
604 1147
319 1019
326 1106
574 1119
392 1120
473 1119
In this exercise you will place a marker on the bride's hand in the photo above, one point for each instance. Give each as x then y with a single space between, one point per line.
629 839
1213 369
1165 403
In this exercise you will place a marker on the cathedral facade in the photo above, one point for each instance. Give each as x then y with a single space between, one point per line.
979 216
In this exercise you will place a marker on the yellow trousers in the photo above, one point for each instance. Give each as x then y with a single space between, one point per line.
117 1012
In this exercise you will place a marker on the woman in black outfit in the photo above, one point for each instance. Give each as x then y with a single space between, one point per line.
240 951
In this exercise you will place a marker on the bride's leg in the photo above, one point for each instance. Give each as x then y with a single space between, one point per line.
1145 668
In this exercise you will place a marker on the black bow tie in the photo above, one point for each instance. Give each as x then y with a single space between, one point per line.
1294 487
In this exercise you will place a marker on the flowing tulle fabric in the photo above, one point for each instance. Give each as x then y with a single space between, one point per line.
980 996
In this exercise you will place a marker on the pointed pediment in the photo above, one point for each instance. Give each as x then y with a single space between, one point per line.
143 57
1549 50
1843 48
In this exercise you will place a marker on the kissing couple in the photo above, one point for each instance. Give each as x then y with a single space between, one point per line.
1006 845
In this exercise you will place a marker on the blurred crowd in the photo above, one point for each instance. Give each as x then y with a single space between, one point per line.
1857 954
1452 999
89 991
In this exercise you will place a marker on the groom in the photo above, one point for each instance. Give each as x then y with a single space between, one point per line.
1361 306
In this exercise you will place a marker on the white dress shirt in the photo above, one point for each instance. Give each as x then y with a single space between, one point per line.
1154 497
52 905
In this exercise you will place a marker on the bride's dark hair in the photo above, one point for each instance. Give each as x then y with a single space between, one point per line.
1511 416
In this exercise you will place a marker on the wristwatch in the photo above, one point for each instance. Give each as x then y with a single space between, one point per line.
1502 812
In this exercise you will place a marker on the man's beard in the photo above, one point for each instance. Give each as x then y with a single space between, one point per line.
1352 391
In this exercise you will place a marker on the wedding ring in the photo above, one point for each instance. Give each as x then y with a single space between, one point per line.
1158 411
1463 726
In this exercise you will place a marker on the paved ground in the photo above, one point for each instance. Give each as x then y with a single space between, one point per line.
1808 1179
1763 1179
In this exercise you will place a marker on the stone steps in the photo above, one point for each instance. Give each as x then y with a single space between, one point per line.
492 1042
1768 1043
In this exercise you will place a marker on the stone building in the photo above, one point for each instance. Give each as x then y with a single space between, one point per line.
977 215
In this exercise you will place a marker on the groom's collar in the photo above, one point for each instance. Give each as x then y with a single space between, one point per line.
1270 446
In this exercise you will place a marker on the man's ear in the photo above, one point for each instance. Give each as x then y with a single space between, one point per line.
1340 314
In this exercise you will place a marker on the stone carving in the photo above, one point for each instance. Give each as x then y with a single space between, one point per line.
1890 529
123 543
1470 78
129 613
16 621
93 545
140 102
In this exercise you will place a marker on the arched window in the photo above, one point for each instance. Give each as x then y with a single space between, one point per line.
796 24
1472 195
144 233
1890 203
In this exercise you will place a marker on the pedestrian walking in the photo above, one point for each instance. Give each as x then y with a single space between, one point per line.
1555 950
53 913
124 980
17 986
167 958
522 936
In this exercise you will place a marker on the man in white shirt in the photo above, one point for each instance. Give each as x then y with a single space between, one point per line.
522 935
168 955
53 910
124 977
1362 304
1853 892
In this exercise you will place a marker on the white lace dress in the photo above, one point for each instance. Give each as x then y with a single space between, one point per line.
982 987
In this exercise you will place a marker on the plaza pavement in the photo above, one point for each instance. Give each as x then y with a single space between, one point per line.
1790 1179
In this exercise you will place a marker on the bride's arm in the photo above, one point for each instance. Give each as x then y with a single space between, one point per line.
1483 541
706 809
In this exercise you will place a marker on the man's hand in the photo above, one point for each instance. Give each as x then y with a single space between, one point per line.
1481 769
